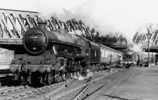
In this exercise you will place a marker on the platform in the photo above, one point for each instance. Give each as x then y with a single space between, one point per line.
140 84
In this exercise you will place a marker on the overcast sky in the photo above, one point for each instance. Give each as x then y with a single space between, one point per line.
108 15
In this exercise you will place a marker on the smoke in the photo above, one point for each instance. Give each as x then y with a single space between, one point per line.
105 15
94 13
136 48
60 8
84 10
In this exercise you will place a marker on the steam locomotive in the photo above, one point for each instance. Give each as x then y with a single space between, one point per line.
50 56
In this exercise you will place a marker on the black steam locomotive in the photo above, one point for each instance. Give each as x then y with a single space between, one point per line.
51 56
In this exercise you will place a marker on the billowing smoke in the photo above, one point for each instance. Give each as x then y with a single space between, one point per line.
94 13
105 15
84 10
136 48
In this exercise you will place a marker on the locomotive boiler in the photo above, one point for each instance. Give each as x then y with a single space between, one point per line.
46 57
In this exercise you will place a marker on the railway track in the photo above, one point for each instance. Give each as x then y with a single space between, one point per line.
26 92
51 92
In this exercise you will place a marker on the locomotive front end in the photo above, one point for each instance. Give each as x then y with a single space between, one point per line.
35 41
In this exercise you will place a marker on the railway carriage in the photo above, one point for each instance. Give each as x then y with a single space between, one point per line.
101 57
110 57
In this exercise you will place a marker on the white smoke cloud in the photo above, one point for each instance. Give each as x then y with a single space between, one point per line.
125 16
136 48
83 9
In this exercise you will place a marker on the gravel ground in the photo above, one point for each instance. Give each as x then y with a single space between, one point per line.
52 92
